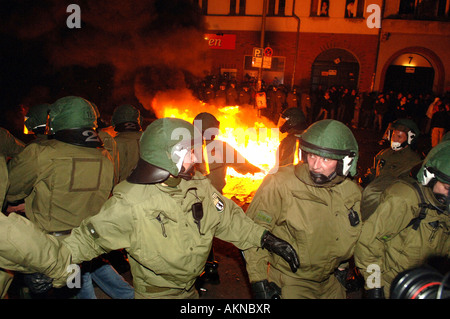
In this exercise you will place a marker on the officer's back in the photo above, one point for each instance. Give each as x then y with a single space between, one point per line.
65 179
126 120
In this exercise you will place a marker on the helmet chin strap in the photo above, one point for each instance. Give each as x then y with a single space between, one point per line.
321 179
397 146
188 173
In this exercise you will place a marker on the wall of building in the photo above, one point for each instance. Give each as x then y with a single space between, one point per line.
373 48
431 39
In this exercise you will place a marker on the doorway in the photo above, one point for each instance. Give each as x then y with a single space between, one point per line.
410 73
335 67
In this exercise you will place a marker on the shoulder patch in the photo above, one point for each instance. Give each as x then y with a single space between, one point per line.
262 216
218 202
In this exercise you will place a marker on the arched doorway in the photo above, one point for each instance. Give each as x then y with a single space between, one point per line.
409 73
335 67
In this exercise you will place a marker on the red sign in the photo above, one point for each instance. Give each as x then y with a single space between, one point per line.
268 51
221 41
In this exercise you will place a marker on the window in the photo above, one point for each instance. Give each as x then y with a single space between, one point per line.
232 7
271 8
274 10
319 8
237 7
423 9
281 7
204 7
242 7
407 6
354 9
324 7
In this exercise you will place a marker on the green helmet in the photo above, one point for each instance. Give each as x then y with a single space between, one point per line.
72 112
163 146
205 120
332 139
126 113
446 137
436 165
405 125
37 116
292 118
207 124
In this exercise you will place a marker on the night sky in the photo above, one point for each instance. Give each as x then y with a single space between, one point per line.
124 52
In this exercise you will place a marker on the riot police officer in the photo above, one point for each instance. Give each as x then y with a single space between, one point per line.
67 179
36 121
391 163
220 151
410 224
126 120
9 147
314 206
165 215
293 122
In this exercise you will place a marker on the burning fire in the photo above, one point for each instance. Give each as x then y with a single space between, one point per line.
256 138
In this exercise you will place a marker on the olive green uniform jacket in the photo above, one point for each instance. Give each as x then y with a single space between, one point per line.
5 277
9 147
25 248
388 243
111 146
394 163
314 219
389 165
128 147
167 249
61 183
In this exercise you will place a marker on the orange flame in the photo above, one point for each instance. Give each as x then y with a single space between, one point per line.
256 138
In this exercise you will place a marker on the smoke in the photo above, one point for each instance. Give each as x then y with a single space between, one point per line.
152 45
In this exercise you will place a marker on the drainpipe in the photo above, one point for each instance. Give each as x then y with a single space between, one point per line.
296 43
374 77
261 44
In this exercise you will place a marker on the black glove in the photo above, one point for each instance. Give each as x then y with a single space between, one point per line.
38 283
265 290
375 293
280 247
350 278
341 276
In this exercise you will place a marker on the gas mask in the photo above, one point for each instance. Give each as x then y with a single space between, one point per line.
430 179
397 146
444 202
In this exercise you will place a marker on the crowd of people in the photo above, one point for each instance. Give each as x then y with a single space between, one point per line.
80 194
364 110
220 92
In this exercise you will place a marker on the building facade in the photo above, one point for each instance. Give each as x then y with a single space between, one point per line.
357 44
